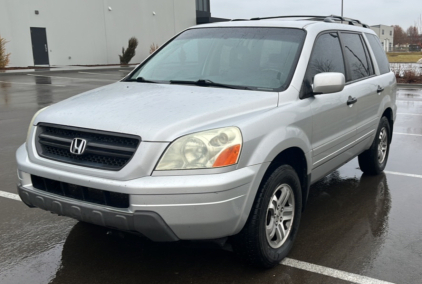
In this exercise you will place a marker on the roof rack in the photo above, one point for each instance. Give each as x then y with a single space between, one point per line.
327 19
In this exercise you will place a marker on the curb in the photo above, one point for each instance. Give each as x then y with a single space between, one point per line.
66 70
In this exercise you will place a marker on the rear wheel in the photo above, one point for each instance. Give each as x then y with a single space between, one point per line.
374 160
274 220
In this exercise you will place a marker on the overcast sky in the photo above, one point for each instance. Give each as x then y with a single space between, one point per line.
371 12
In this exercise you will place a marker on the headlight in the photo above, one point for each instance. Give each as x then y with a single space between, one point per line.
209 149
31 124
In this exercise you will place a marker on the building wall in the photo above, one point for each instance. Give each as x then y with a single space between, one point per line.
86 32
386 38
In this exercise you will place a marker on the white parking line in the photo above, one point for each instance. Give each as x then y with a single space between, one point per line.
32 84
99 74
355 278
403 174
10 195
404 113
72 78
410 134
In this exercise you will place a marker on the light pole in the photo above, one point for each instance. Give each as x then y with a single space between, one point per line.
342 8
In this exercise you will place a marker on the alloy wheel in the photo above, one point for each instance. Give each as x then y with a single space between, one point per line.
280 216
382 145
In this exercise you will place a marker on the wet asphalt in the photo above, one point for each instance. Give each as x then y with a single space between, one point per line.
365 225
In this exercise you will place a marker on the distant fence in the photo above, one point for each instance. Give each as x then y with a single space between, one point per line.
415 48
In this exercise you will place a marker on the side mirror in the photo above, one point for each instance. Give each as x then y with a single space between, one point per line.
328 82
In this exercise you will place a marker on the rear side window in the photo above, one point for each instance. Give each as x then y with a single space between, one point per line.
326 57
359 65
379 53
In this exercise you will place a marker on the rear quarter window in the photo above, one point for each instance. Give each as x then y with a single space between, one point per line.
358 60
379 53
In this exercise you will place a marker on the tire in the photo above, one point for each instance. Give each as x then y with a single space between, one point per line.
254 243
374 160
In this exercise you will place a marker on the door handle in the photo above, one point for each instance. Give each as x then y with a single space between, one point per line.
380 89
45 46
351 101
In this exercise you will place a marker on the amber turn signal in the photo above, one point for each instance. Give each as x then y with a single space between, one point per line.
227 157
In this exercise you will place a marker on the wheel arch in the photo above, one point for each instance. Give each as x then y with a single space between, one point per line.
296 158
388 113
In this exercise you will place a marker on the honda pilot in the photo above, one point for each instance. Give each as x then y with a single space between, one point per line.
219 134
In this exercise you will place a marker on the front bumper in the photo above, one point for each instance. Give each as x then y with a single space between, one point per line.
148 223
163 208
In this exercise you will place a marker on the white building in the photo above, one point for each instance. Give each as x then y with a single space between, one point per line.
386 35
88 32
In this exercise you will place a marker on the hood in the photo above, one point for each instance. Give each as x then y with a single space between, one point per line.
156 112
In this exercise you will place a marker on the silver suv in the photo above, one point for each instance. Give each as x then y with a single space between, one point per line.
220 133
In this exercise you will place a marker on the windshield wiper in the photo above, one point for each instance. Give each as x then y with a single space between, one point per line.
207 83
143 80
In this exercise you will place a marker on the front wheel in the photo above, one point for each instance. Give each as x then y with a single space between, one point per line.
374 160
273 223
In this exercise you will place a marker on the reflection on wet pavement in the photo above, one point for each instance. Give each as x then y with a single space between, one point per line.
44 96
42 80
4 87
351 215
412 94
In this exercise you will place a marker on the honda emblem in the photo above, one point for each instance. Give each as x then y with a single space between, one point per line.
78 146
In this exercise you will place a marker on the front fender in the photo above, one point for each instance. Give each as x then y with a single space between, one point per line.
275 131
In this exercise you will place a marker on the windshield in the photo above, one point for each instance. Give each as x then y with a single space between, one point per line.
253 58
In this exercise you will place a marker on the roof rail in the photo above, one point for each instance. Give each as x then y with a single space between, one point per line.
327 19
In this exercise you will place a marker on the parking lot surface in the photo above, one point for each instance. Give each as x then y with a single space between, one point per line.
356 228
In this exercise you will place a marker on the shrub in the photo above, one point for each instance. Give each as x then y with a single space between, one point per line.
406 73
410 76
129 53
4 57
153 47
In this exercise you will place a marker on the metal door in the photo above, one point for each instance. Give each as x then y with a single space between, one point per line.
334 117
365 83
39 46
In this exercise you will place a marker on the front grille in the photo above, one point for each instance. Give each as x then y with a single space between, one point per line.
104 150
92 195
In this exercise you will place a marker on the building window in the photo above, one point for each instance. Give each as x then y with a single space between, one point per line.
202 5
391 33
382 31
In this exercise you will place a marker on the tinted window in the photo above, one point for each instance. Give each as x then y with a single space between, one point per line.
379 53
257 58
356 57
326 57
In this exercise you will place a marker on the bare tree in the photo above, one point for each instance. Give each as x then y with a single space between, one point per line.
400 36
153 47
322 66
413 35
418 24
